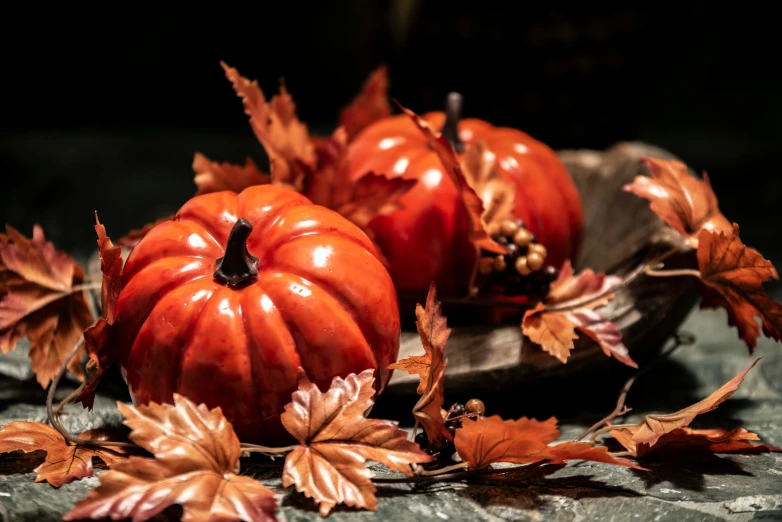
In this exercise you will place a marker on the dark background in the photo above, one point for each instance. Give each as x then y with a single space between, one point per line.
103 109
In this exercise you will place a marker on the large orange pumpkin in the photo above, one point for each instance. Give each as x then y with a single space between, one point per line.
428 239
222 303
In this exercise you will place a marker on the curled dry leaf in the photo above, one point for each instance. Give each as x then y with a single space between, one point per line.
97 337
195 464
275 124
336 439
686 203
688 440
734 275
41 298
453 168
211 176
555 329
369 106
64 461
433 331
490 440
479 165
646 434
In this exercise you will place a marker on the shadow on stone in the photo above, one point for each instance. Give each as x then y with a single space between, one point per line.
689 471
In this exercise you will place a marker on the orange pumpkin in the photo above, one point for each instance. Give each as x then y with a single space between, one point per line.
222 303
428 239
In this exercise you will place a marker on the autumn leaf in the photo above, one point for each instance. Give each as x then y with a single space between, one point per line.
652 427
490 440
369 106
554 323
336 439
97 337
285 138
132 238
360 200
64 462
479 165
685 202
195 464
688 440
430 367
41 298
734 275
472 202
211 176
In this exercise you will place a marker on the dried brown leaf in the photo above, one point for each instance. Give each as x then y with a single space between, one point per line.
41 298
369 106
336 439
685 202
479 165
211 176
688 440
195 464
734 275
64 462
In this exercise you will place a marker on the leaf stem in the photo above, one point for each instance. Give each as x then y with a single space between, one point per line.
440 471
456 475
53 414
672 273
67 400
255 448
608 428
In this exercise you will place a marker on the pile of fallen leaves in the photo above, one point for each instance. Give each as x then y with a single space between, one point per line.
193 455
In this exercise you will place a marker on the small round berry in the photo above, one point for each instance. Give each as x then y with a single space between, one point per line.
499 264
502 240
534 261
533 239
493 229
485 265
452 430
522 238
422 440
520 223
511 249
443 413
522 267
475 406
551 273
457 410
508 228
538 249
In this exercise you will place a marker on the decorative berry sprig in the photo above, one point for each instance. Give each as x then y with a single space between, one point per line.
522 270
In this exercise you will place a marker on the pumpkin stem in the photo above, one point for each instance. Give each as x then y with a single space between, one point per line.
453 111
237 266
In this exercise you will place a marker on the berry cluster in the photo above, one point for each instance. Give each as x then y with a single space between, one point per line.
445 452
523 270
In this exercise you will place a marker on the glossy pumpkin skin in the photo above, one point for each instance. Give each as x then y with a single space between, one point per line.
428 239
322 300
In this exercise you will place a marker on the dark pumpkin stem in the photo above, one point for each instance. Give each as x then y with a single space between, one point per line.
453 111
237 266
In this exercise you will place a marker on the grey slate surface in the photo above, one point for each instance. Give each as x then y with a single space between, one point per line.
725 487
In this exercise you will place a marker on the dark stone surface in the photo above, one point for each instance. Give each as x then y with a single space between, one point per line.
709 488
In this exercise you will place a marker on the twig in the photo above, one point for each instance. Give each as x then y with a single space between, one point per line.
623 454
439 471
456 475
608 428
54 417
75 393
255 448
682 338
679 272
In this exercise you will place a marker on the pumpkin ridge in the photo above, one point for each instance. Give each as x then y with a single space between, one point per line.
192 328
253 348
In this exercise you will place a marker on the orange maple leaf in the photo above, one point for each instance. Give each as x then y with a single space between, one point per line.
554 328
97 338
369 106
64 461
275 124
430 367
41 298
336 439
654 426
734 275
685 202
688 440
211 176
488 440
196 457
482 173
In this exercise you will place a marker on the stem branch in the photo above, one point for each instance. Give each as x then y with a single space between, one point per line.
255 448
671 273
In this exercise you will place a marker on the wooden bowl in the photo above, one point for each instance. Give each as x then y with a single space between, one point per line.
621 233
